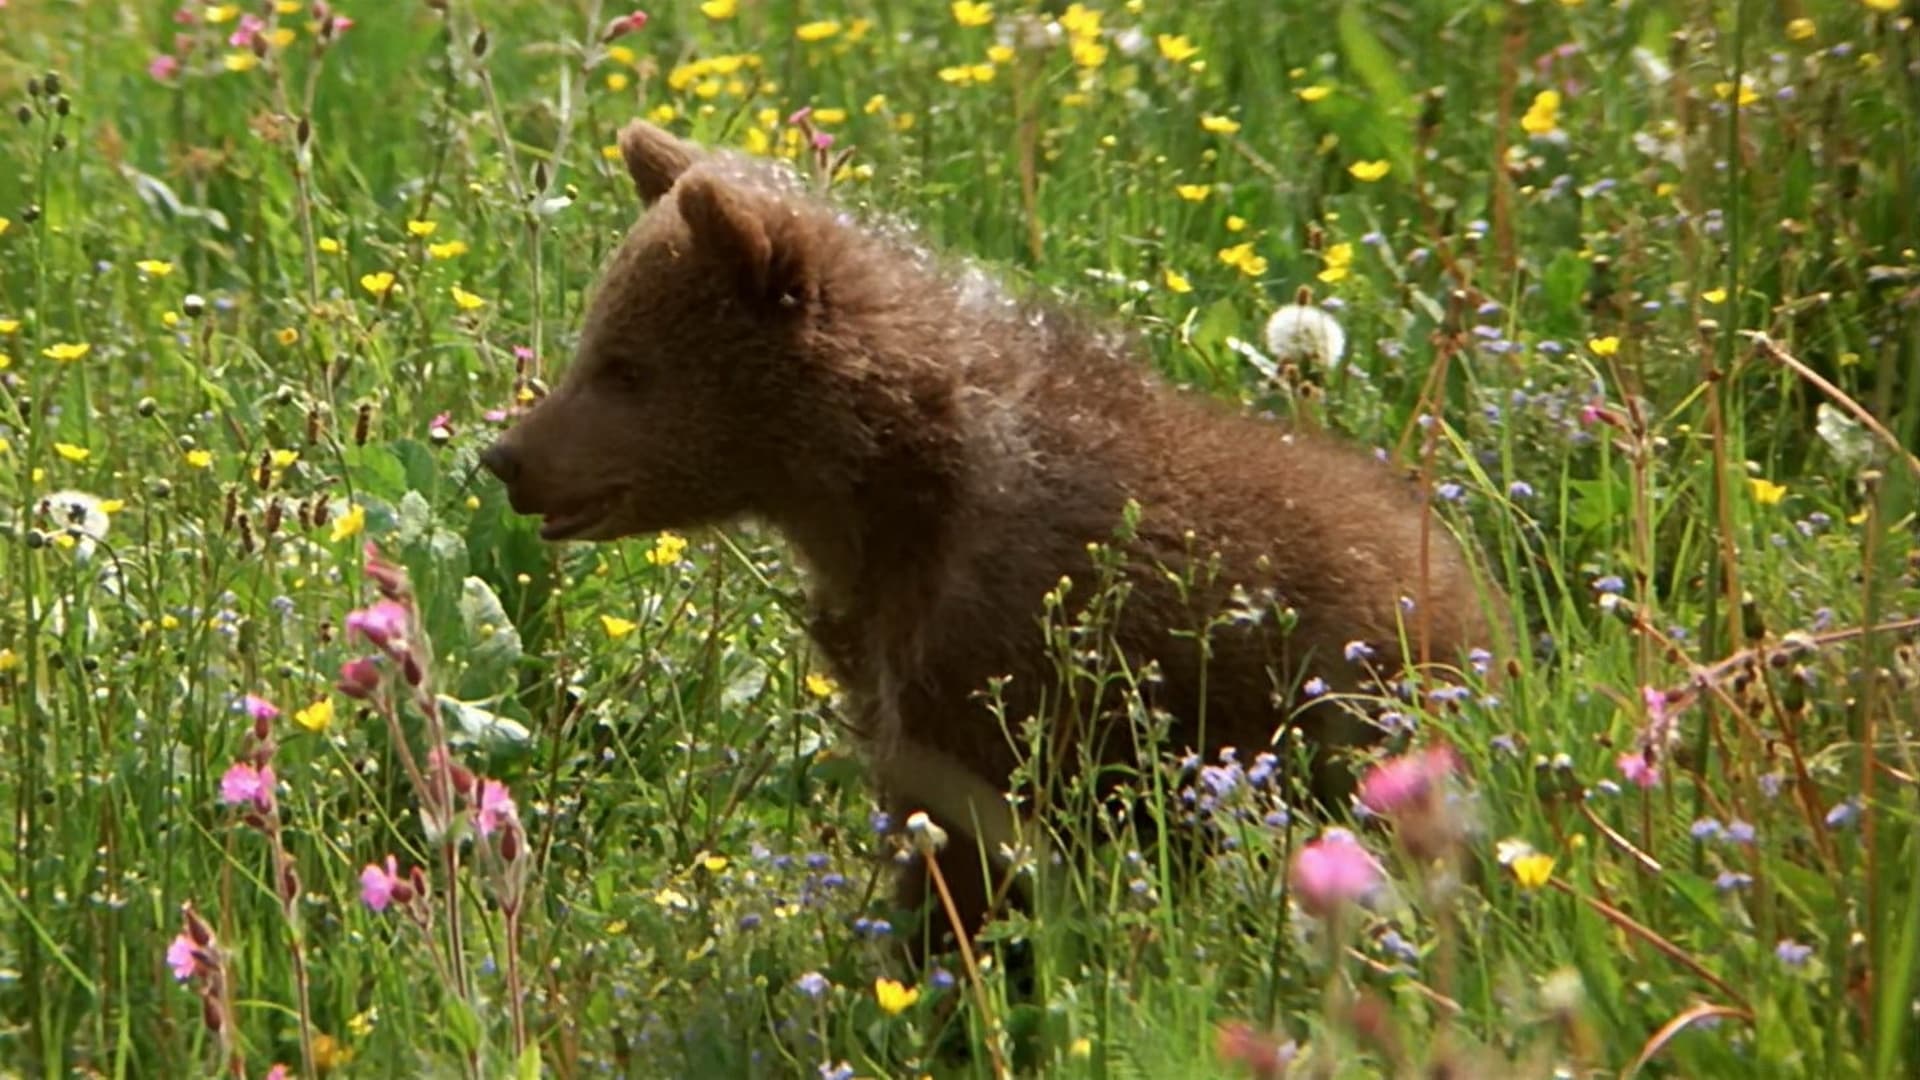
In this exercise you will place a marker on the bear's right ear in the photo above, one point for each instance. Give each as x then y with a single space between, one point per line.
655 159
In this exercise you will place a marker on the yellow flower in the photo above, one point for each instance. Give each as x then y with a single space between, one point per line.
283 459
1747 94
1089 53
617 627
219 13
154 267
288 7
961 75
968 13
453 248
379 284
328 246
668 548
240 61
825 117
1219 125
894 998
199 459
1533 870
1177 282
8 660
874 104
66 353
1766 492
1193 192
286 335
1176 47
316 717
349 525
672 898
169 319
1714 296
662 113
820 686
1339 259
72 452
1082 1048
1605 346
1080 21
617 81
465 300
1000 54
5 224
620 54
819 30
1885 6
1316 92
1368 172
1543 116
1242 258
719 9
1800 29
360 1024
8 326
421 228
1236 223
280 36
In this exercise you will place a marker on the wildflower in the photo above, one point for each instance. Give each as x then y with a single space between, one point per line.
80 516
1766 492
240 61
630 23
1089 53
1742 94
1316 92
8 326
1639 770
1543 116
719 10
66 353
1339 258
70 452
1790 952
1732 881
1299 333
244 784
359 678
668 548
199 459
1843 814
5 224
421 229
1800 29
893 997
1368 172
317 717
183 956
813 984
1080 21
818 30
328 245
970 14
1176 47
1604 346
154 267
349 524
1193 192
819 685
259 708
1533 870
1407 782
380 884
1740 832
1219 125
1706 829
1177 282
1356 651
497 809
1714 296
617 627
1242 258
465 300
1331 872
287 335
163 68
378 283
384 624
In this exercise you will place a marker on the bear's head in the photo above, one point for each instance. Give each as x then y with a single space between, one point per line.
692 388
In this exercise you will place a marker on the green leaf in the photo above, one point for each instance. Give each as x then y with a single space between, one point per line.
1377 68
529 1064
493 642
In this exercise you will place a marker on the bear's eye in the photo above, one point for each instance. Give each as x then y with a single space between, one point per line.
629 378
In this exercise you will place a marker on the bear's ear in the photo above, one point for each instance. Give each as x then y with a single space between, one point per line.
655 159
733 226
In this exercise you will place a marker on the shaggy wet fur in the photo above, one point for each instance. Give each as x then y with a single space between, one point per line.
940 456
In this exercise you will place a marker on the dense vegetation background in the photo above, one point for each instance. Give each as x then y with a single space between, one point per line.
1633 285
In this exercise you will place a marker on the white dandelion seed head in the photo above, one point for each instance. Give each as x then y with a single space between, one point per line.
79 515
1300 334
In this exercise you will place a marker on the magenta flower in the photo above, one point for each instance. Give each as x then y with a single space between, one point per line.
496 807
1405 782
249 28
1639 771
183 957
185 16
359 678
822 140
441 423
378 884
245 785
260 708
163 67
278 1072
384 624
1332 871
800 114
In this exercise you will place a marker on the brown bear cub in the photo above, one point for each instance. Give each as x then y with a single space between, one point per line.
940 456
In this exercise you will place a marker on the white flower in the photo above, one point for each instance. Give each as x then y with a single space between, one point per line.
79 515
1300 334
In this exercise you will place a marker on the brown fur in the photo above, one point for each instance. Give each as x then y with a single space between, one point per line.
941 456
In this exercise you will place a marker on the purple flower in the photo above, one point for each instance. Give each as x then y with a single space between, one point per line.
1639 770
813 984
1357 651
183 957
260 708
247 785
379 884
1732 880
1792 953
1707 829
1843 813
1740 832
384 624
163 67
496 808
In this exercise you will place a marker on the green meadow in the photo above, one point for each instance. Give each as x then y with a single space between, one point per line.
1632 288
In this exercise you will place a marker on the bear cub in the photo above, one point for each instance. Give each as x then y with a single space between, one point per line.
939 456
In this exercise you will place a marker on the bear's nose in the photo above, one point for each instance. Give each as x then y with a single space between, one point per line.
501 461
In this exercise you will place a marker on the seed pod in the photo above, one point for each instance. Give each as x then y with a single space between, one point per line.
62 105
275 511
51 84
146 407
315 419
263 474
303 132
321 512
480 44
362 424
233 508
246 535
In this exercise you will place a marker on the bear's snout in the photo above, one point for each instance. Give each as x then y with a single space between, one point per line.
501 461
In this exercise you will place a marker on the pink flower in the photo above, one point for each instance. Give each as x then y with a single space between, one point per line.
384 624
1406 782
163 67
185 16
632 22
523 352
260 708
359 678
183 956
245 785
800 115
441 423
822 140
278 1072
1332 871
378 884
249 28
1639 771
496 807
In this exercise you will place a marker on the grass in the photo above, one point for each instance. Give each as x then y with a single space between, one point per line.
1652 341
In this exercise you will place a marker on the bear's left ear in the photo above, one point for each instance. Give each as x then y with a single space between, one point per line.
655 159
736 227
